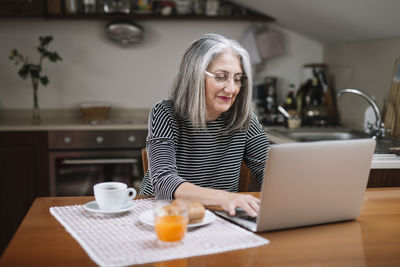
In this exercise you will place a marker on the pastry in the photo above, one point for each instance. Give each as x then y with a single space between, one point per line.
196 209
196 212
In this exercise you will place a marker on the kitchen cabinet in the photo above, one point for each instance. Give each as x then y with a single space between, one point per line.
384 178
24 176
28 159
22 8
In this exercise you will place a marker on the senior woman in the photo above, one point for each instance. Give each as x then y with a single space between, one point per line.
198 138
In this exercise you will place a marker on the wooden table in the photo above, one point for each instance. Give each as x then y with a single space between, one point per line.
372 240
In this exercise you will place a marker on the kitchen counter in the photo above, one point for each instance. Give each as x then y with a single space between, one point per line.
73 125
382 158
64 119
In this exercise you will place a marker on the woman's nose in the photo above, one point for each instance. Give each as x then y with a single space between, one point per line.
230 86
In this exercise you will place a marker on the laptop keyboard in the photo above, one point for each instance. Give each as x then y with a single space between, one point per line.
241 218
243 215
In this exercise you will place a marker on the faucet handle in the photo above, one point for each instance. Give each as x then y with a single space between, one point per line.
375 131
370 128
385 130
381 132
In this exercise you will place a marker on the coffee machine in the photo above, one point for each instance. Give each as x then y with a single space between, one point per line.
265 99
315 97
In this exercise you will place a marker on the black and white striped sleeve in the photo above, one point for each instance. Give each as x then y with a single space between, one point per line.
256 150
161 152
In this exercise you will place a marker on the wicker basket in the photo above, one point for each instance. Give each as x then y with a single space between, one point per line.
95 113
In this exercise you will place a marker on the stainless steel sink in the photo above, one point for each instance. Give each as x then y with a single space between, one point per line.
317 135
279 135
381 160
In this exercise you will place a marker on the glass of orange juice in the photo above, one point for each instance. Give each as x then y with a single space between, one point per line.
170 221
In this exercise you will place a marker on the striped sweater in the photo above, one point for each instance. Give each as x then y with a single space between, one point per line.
179 152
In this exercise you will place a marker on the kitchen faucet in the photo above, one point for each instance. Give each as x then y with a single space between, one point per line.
377 130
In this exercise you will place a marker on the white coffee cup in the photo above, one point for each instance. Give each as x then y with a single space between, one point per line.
113 195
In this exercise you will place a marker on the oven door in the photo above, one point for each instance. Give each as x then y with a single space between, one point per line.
73 173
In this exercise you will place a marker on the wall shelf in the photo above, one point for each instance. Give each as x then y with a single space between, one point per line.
43 9
251 17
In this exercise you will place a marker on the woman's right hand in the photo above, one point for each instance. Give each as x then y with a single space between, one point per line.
212 197
230 201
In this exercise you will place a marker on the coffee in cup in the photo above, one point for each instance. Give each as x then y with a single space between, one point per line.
113 195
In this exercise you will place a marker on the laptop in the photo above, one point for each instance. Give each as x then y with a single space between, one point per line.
310 183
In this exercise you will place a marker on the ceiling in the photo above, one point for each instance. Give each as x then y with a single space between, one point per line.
334 21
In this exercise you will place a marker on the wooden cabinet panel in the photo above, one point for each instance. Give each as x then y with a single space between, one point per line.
24 176
384 178
17 188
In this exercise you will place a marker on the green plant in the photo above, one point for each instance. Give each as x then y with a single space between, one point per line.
34 71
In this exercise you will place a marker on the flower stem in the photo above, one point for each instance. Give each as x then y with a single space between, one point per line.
36 112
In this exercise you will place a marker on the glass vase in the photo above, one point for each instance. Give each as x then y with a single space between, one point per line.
35 112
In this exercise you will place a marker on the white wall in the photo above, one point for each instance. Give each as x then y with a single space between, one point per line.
367 66
298 50
95 69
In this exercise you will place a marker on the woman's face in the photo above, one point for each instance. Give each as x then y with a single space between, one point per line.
221 95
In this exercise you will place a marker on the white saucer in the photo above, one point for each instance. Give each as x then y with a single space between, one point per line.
93 207
147 217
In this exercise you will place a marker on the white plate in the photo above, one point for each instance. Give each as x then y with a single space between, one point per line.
148 218
93 207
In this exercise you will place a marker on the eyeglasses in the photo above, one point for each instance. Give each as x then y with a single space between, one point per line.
240 80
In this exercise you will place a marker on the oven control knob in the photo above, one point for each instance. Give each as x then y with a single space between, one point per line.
99 139
67 140
132 139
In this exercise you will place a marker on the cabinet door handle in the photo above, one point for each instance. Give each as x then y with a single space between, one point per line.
99 139
98 161
132 139
67 140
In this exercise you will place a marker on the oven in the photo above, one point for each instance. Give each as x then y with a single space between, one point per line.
79 159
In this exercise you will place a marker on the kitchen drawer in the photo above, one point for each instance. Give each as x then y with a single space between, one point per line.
97 139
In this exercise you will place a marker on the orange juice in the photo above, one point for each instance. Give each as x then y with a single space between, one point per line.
170 228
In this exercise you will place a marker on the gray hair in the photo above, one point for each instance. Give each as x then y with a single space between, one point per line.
188 91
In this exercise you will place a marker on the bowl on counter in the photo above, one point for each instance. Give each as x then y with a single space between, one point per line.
95 111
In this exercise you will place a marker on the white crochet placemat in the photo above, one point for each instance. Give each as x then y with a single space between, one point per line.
120 240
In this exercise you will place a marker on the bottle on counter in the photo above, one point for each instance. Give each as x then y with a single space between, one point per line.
290 101
89 6
71 6
54 7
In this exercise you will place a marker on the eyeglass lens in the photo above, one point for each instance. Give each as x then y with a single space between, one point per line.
239 79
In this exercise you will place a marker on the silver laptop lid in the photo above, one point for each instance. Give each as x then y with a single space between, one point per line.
314 183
